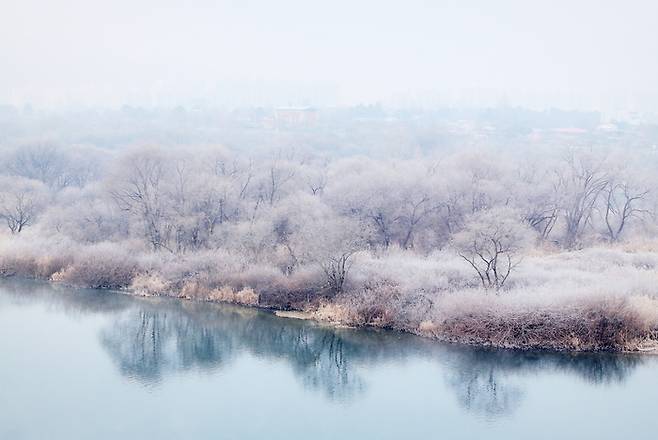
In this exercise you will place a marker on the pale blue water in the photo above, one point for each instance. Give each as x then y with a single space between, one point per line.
85 364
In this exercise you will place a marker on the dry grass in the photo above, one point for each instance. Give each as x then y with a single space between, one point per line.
597 299
619 323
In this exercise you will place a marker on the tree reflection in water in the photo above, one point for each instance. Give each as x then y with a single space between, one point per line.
482 379
162 336
151 338
483 388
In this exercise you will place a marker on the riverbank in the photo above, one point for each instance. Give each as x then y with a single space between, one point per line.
597 326
167 356
603 325
599 299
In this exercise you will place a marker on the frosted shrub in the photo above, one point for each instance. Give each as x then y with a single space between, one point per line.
468 247
14 265
99 266
373 305
150 284
520 320
244 296
27 258
437 272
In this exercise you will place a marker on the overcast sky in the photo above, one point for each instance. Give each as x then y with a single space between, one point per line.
572 54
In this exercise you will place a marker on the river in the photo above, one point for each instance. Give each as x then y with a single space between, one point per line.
88 364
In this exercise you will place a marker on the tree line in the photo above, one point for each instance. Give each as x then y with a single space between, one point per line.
293 209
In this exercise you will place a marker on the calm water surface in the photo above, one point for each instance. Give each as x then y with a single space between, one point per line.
84 364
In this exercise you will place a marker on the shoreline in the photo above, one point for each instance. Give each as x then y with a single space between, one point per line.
647 346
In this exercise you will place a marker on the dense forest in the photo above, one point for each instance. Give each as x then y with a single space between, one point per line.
554 248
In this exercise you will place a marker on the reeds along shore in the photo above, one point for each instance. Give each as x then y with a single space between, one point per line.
603 298
554 249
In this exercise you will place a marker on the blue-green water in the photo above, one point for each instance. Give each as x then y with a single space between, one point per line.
84 364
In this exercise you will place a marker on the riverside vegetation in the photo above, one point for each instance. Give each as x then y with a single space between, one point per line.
553 251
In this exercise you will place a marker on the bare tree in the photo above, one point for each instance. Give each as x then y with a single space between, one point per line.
43 162
17 211
316 179
581 183
537 196
491 242
417 210
318 236
139 190
621 204
20 201
278 175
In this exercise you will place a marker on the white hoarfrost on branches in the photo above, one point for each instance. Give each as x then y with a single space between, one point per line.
21 201
492 243
412 243
312 233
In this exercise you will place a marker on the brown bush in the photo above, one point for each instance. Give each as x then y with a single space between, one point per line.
610 324
99 267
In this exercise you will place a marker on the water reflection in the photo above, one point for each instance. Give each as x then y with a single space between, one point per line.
161 336
483 379
483 387
148 339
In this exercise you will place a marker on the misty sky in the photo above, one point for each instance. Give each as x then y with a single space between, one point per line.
572 54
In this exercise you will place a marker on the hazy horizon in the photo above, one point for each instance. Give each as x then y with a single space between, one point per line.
593 55
477 173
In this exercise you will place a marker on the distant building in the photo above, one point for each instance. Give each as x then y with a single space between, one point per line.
295 116
608 128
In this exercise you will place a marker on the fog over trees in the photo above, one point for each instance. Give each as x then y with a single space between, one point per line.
385 240
294 206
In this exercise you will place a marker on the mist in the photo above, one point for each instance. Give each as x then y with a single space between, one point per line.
291 219
589 55
466 171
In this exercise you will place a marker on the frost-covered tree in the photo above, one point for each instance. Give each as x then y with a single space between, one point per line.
624 199
394 198
580 180
537 197
21 200
86 215
55 166
492 242
139 189
277 175
332 243
336 241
